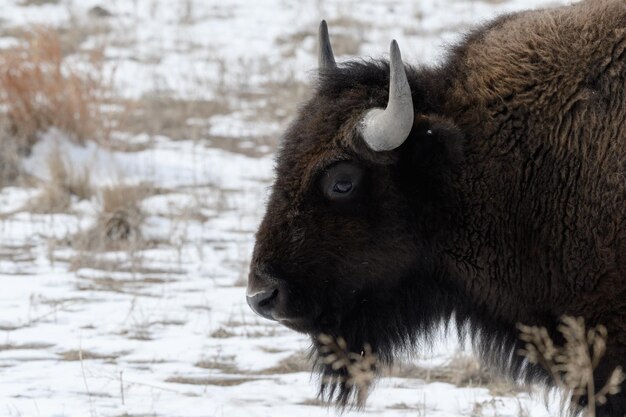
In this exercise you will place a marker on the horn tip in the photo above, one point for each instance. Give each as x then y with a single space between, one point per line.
393 47
323 26
394 52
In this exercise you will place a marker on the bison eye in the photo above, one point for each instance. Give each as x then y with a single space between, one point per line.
341 181
342 187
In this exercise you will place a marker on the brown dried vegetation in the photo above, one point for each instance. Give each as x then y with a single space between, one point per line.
118 225
360 369
572 365
41 90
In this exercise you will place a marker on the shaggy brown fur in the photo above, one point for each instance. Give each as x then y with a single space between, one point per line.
512 210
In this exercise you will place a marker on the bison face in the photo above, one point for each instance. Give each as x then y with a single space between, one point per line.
346 245
326 253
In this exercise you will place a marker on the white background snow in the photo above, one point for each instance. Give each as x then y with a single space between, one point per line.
175 336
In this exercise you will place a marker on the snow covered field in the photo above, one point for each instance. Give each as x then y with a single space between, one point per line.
159 326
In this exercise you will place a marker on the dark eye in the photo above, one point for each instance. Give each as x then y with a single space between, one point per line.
342 187
341 181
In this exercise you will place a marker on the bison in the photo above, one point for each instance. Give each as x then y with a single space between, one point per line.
486 191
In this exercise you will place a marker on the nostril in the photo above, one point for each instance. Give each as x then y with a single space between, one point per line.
263 302
267 297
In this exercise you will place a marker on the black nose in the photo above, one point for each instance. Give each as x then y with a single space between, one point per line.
263 302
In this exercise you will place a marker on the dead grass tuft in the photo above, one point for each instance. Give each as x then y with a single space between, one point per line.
354 371
222 382
572 365
118 223
298 362
40 90
10 168
313 402
79 355
132 265
223 364
222 333
461 370
25 346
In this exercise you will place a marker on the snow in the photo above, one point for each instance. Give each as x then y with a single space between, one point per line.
148 323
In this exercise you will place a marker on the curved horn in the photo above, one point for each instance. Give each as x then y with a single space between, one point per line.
325 58
385 130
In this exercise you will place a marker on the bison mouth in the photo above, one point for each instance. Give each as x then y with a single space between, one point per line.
346 365
348 356
368 332
299 324
354 330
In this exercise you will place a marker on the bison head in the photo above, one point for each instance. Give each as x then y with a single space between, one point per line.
364 186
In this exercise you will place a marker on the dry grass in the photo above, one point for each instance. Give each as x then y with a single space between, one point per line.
25 346
347 35
360 369
38 2
222 333
118 223
298 362
313 402
488 406
79 355
279 99
222 364
158 114
9 158
572 365
122 286
149 275
64 182
40 90
117 227
461 370
222 382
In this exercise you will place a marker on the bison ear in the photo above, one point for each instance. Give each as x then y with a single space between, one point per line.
437 142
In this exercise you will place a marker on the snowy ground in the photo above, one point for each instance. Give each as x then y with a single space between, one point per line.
162 328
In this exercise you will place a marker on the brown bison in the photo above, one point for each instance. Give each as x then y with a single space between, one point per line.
487 191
